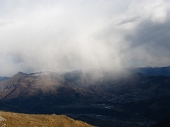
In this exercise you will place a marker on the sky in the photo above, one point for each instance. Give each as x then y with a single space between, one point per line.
64 35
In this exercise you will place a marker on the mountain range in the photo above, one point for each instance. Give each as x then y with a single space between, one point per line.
101 98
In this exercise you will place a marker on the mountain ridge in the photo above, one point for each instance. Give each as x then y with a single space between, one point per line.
117 95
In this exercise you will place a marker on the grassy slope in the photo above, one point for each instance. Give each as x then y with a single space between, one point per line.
27 120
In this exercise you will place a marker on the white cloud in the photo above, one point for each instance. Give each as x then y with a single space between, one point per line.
60 35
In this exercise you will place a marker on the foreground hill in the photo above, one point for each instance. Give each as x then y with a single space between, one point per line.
8 119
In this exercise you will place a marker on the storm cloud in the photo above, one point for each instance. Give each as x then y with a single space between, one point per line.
64 35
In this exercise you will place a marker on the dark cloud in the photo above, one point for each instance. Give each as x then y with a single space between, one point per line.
150 41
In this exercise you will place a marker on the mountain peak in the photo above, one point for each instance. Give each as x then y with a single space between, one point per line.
21 73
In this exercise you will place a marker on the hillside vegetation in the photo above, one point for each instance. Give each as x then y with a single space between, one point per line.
9 119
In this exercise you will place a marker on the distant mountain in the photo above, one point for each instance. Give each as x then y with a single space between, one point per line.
9 119
152 71
3 78
24 86
100 98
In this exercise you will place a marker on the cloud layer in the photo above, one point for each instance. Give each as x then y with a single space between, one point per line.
81 34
